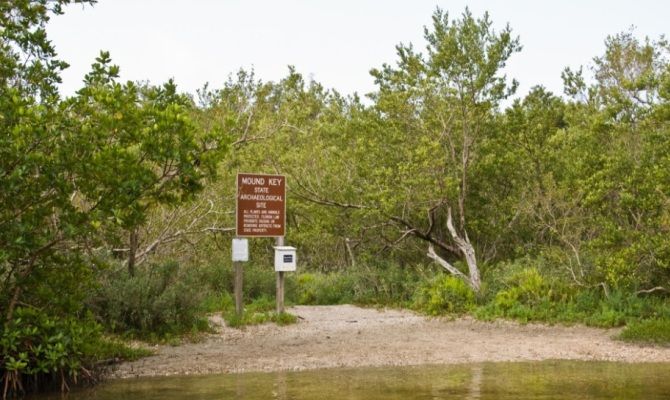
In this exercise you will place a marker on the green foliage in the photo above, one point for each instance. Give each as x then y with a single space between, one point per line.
579 186
112 349
217 301
34 345
444 295
324 289
75 174
526 287
389 283
528 295
259 279
566 199
78 172
648 331
157 302
623 186
141 146
38 351
260 311
284 318
373 284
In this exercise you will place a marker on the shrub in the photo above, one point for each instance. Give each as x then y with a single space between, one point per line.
378 284
386 283
649 331
444 295
259 280
323 289
158 301
41 352
214 302
525 294
526 287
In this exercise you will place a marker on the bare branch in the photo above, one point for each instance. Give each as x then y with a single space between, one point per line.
350 251
314 198
178 235
453 270
242 141
652 290
428 238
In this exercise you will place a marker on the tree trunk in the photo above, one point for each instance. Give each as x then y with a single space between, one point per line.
463 243
132 252
12 304
347 244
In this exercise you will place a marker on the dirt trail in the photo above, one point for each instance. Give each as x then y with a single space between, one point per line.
349 336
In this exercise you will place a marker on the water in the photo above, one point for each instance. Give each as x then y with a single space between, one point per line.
528 380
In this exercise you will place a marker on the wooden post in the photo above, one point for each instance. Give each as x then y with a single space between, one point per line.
280 292
239 306
280 282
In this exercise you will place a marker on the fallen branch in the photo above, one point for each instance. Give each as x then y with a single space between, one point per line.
652 290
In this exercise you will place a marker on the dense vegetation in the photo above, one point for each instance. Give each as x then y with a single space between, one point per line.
438 193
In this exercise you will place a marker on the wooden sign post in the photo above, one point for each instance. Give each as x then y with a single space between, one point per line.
261 212
280 282
240 254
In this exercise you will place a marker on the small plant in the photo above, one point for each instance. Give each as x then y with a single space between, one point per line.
445 295
260 311
284 318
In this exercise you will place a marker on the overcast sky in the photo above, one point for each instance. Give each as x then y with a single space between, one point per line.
334 42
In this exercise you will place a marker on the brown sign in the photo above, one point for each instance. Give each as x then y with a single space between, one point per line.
261 205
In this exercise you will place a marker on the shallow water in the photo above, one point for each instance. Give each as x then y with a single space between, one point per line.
527 380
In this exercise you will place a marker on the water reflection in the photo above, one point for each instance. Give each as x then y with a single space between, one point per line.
476 382
279 391
499 381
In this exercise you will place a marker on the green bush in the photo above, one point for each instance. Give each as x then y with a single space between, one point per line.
42 352
158 301
444 295
649 331
215 302
526 287
371 284
36 346
387 283
623 308
323 289
525 293
259 280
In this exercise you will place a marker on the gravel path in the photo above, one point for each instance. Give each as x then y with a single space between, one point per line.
349 336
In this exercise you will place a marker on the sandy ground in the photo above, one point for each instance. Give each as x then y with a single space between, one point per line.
349 336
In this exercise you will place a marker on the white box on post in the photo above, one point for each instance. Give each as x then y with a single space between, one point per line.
285 258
